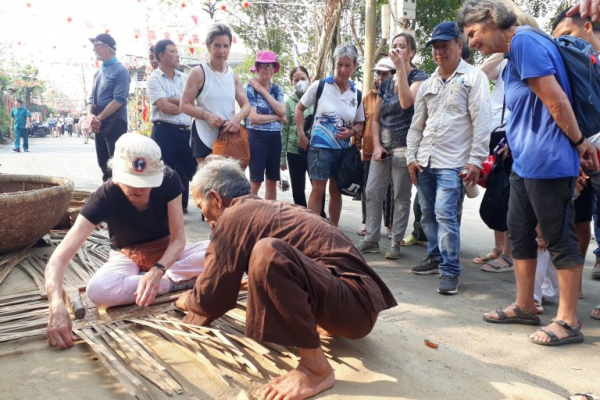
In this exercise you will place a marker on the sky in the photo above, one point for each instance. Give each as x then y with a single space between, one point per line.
53 34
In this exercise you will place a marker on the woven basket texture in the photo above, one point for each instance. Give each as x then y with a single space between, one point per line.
78 200
30 205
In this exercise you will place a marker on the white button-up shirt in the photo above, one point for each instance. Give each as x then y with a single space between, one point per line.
451 124
160 86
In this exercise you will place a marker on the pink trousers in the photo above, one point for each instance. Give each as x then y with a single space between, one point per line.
116 282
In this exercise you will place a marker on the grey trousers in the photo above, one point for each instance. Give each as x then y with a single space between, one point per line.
381 173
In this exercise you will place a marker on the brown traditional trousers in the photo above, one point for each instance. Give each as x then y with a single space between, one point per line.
302 271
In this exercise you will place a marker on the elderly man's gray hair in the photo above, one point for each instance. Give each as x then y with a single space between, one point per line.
484 11
223 175
346 50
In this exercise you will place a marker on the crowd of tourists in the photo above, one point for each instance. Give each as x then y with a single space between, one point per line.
304 277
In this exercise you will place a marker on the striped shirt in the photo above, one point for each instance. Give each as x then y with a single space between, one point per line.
160 86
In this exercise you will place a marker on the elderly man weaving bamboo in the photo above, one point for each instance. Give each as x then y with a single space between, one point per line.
302 273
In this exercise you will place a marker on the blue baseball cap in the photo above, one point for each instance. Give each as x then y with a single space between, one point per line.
445 31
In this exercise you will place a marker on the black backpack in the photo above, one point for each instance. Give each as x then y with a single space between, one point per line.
583 70
350 170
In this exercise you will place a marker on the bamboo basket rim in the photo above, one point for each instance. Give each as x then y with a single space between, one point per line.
60 186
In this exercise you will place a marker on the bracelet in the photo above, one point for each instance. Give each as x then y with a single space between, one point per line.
580 141
161 267
203 114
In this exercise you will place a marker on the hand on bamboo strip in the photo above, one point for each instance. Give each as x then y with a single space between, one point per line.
148 287
60 333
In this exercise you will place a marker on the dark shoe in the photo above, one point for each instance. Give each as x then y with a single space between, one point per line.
448 285
185 210
522 317
574 335
427 267
596 269
17 150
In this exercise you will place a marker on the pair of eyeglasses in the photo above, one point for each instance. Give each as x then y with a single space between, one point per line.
266 65
96 45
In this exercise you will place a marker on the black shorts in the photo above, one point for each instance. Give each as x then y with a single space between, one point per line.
199 149
549 202
583 205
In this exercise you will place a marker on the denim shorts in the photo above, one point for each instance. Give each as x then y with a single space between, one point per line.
265 155
322 162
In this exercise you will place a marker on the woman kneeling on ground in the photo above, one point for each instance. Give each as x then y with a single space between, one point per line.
141 205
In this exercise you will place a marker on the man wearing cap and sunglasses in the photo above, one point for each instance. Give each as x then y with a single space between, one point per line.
107 105
141 205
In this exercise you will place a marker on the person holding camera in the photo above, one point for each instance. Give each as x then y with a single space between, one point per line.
393 114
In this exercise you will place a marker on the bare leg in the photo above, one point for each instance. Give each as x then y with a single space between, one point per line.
312 376
507 251
568 282
525 280
315 200
499 240
335 203
270 190
255 187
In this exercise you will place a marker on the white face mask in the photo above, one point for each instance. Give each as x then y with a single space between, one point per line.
301 86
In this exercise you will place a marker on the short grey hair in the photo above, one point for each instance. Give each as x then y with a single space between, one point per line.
218 29
346 50
485 11
223 175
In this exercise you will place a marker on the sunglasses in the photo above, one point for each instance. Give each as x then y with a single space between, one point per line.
266 65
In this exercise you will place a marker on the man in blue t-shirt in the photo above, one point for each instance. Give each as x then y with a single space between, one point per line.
20 120
547 147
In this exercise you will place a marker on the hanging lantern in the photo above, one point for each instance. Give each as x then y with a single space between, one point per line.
69 19
223 7
183 5
106 30
246 4
28 5
18 43
192 50
136 36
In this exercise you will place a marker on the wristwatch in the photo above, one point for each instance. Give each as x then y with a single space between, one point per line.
160 266
581 139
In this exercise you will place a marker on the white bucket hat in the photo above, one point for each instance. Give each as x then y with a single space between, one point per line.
384 65
137 162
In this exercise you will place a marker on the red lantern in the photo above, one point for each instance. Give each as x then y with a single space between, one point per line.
54 47
18 43
69 19
190 42
28 5
106 30
245 4
223 7
192 50
183 5
136 36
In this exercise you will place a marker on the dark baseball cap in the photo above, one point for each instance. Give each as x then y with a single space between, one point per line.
445 31
106 39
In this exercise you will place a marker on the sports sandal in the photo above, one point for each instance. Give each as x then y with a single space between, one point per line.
500 264
596 312
574 335
523 317
492 255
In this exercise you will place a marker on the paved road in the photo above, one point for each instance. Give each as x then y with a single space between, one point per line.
453 321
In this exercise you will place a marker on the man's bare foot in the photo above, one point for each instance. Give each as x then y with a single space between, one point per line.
312 376
323 332
541 335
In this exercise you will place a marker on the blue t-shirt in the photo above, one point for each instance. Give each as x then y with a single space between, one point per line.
263 108
540 149
20 116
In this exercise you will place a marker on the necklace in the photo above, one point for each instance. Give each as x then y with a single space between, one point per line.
214 69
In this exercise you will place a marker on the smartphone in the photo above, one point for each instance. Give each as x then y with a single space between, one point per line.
386 155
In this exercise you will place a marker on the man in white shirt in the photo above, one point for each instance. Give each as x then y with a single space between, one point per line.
446 145
171 128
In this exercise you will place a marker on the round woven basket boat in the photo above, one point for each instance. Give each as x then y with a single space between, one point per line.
78 199
29 207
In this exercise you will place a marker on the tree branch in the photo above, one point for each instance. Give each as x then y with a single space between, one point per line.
356 39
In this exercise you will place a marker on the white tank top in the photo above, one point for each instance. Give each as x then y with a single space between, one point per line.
218 97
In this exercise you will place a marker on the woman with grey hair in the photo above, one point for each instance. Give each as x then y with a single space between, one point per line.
547 148
210 93
338 116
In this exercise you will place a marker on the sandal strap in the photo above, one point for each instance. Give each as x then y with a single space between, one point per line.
551 335
509 260
570 330
501 314
524 314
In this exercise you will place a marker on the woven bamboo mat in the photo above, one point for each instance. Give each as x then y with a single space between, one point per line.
122 337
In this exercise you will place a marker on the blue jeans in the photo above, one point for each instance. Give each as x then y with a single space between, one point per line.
595 182
439 191
21 133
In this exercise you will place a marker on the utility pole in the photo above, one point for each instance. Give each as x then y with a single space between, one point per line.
370 21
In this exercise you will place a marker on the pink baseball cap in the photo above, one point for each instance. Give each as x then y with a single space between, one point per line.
265 57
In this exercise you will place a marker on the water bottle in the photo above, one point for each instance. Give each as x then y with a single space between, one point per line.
471 190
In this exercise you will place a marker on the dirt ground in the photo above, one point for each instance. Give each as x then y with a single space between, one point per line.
475 360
